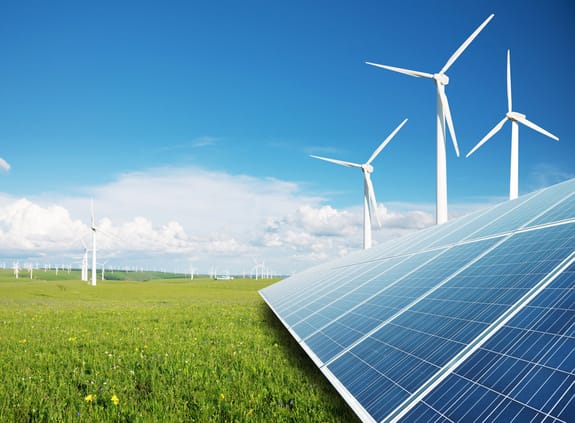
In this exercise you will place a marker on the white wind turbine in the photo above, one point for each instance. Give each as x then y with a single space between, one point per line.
369 203
103 269
515 118
93 228
16 267
443 114
192 270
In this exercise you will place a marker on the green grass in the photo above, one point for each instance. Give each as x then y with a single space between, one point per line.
167 350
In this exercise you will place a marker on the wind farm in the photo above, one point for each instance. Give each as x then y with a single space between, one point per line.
168 250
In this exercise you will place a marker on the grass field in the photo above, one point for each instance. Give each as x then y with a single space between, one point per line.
162 350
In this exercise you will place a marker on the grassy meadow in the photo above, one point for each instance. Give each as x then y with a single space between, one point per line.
170 350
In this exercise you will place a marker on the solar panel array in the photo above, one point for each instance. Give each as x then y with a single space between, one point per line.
472 320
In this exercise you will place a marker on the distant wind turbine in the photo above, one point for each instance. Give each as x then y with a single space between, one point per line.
369 203
443 114
514 117
93 228
103 269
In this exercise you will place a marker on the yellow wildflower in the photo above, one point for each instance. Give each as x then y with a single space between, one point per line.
89 398
115 399
222 396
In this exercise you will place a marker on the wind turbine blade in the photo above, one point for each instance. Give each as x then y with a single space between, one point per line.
339 162
447 114
495 129
536 128
463 46
509 98
409 72
386 141
92 214
372 202
4 164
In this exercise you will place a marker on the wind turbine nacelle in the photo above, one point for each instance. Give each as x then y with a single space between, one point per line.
367 168
441 78
515 116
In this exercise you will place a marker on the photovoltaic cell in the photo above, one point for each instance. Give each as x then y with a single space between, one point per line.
475 321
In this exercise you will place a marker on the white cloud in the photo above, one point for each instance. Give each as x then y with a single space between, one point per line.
28 226
176 217
204 141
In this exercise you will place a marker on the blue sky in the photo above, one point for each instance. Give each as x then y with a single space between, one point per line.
191 123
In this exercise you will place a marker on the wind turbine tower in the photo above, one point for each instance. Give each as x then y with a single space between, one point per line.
369 203
93 228
85 263
103 269
515 119
443 114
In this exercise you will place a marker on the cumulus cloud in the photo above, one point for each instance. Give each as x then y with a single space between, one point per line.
28 226
177 217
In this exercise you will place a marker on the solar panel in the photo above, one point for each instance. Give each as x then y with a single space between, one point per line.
473 320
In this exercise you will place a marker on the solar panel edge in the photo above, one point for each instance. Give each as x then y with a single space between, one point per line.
351 401
481 339
317 361
278 316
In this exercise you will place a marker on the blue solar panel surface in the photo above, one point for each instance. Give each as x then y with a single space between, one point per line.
526 372
473 320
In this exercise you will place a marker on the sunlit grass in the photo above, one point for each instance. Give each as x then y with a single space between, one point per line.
176 350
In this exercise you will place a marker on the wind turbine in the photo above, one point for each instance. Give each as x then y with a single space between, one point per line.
515 119
443 114
93 228
369 203
16 266
254 270
103 269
